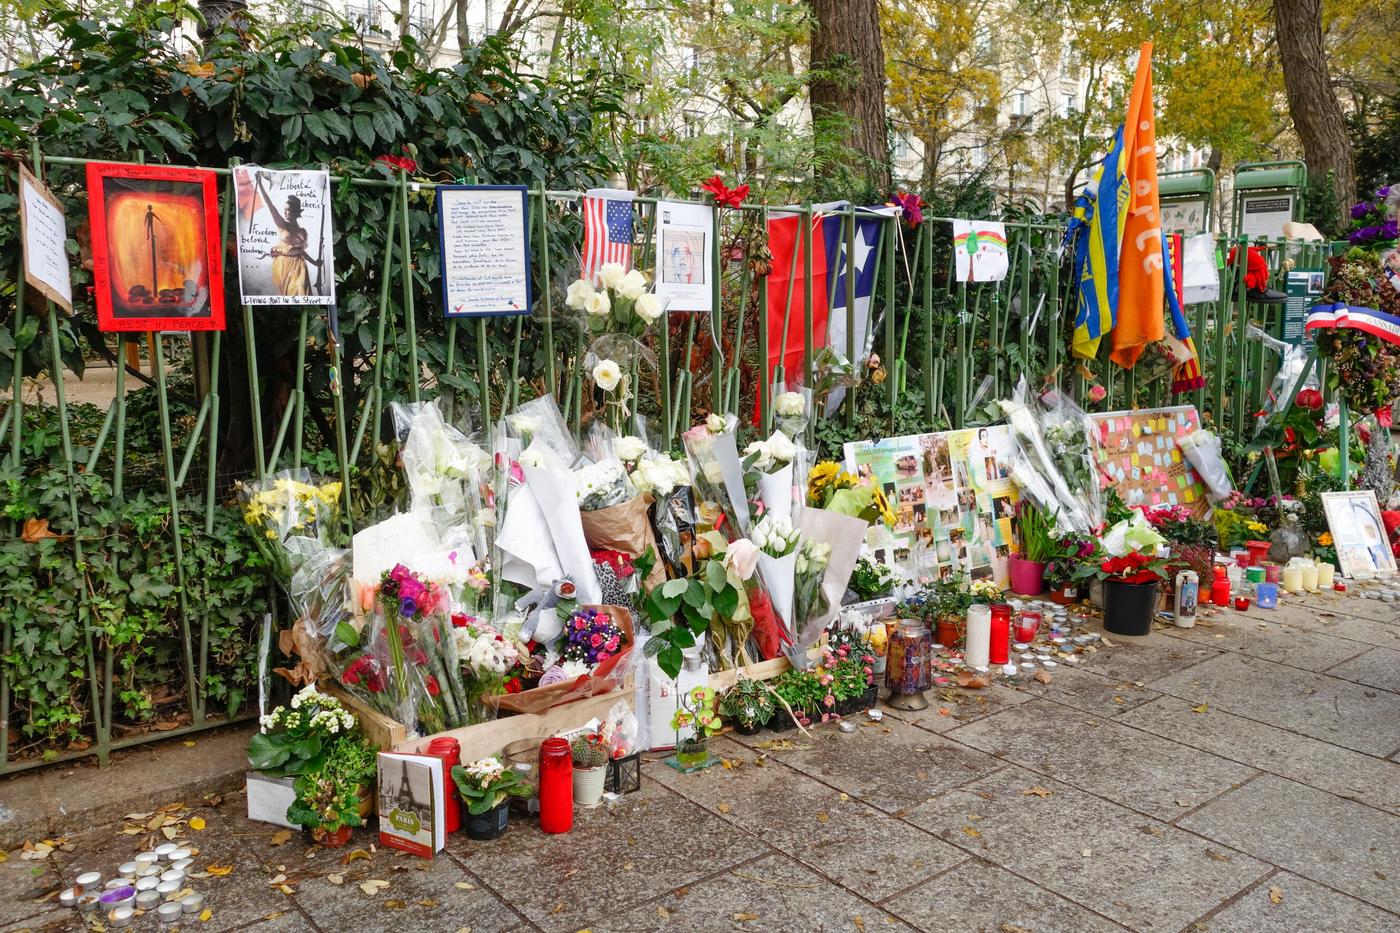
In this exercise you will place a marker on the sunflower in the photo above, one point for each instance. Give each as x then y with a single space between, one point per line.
821 479
882 506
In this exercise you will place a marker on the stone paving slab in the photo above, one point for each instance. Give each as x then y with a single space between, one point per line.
1142 772
1091 692
1260 636
1309 761
977 895
773 893
1286 903
951 708
914 765
1378 667
1361 620
1142 873
651 842
815 824
1323 707
1343 844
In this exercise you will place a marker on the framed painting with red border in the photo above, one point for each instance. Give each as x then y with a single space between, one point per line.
155 247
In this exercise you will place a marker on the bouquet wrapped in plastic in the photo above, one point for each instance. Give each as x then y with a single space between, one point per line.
1201 449
443 467
792 409
1072 439
718 473
288 505
769 467
487 656
1034 469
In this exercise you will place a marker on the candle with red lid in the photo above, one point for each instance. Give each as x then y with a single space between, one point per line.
450 752
1000 649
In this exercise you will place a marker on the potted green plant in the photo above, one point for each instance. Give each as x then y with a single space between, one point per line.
294 740
1192 540
590 754
335 798
486 786
1037 548
942 606
1072 552
747 704
698 712
870 580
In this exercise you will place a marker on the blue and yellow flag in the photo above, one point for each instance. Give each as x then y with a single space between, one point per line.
1097 232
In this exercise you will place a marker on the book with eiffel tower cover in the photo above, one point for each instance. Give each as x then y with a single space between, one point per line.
412 794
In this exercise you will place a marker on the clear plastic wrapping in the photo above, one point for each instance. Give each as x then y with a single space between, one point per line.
1201 448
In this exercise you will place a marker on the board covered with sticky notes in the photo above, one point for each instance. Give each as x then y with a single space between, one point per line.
1139 456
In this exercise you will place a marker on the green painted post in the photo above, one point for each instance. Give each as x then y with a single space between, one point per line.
963 374
765 403
894 364
410 324
716 314
930 403
1344 439
483 369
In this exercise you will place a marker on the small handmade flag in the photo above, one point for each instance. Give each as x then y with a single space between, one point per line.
607 229
980 248
1187 375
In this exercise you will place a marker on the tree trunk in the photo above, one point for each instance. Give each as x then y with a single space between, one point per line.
1312 104
848 85
218 13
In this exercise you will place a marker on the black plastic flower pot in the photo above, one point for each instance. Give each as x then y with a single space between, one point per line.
746 728
1128 607
488 825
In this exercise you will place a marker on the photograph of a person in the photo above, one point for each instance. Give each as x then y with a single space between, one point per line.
284 234
155 235
906 466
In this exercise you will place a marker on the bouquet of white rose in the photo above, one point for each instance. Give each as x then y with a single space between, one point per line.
615 301
769 470
717 471
778 544
792 410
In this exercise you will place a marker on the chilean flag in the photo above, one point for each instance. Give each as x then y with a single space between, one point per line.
830 318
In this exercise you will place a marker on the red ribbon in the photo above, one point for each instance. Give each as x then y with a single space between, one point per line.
725 196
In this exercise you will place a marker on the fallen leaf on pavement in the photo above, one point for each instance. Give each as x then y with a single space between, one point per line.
822 817
741 918
1037 791
663 913
1275 894
973 831
218 871
1042 678
353 856
860 923
723 808
373 886
1013 928
188 743
464 886
1218 856
971 681
205 914
197 823
1204 707
169 832
427 902
394 903
336 879
280 837
1087 852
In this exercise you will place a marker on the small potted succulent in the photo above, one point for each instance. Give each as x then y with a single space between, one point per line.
486 786
698 712
590 754
749 705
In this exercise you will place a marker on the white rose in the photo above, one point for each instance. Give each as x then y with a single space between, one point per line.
632 284
714 473
781 447
759 451
598 304
523 424
579 293
628 447
607 375
648 307
611 275
716 423
790 404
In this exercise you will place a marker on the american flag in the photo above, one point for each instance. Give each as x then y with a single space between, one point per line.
607 230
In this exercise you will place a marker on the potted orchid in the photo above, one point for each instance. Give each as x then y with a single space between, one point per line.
698 714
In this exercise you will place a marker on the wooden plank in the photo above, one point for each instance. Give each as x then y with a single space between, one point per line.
763 670
383 731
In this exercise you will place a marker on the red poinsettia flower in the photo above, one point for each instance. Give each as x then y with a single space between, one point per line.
1311 399
1130 568
725 196
911 205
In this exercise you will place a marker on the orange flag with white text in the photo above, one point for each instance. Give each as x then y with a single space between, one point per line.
1140 283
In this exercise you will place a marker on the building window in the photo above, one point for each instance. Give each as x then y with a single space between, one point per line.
363 15
901 146
1067 104
421 17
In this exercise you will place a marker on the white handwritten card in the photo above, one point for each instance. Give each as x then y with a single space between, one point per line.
485 237
43 234
685 255
285 236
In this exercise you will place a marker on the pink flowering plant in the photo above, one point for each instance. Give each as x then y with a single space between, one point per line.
591 636
1072 552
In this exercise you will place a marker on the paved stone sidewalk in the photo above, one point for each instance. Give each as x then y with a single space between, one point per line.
1240 776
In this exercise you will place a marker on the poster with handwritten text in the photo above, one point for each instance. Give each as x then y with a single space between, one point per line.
285 236
485 238
44 235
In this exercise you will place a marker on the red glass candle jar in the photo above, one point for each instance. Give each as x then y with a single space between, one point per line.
1242 603
1220 588
1000 650
451 754
556 786
1027 624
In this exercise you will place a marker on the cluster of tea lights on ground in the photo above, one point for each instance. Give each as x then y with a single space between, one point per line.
151 881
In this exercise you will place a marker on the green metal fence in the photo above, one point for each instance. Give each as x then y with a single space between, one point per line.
943 345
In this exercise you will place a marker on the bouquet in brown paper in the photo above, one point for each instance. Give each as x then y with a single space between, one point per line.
616 517
575 676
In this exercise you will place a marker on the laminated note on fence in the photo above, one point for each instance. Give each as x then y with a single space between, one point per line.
285 236
685 255
980 248
484 233
1200 279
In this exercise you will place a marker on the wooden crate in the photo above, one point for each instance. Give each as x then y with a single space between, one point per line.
488 738
382 730
763 670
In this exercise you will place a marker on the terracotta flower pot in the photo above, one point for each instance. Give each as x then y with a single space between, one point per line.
949 631
331 838
1066 595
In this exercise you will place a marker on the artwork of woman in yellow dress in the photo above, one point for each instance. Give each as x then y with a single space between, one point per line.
291 273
